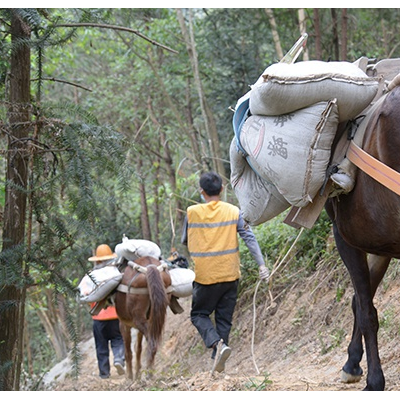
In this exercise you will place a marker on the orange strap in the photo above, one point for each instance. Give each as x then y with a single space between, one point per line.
374 168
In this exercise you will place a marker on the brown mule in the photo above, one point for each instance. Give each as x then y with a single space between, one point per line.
141 302
366 225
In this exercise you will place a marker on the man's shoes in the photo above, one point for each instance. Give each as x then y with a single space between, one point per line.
223 353
120 368
104 376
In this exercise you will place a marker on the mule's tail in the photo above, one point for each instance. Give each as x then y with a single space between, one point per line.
158 308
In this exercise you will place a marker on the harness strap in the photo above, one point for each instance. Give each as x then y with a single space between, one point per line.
140 268
131 290
374 168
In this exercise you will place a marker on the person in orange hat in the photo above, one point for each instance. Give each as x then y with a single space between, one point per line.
106 324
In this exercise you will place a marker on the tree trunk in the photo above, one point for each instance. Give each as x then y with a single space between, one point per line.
343 47
144 215
275 34
12 292
209 121
335 37
303 29
175 203
317 30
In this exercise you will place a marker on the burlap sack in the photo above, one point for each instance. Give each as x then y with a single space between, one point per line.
258 199
132 249
96 285
285 88
292 151
182 281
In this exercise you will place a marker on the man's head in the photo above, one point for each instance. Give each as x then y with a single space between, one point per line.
211 183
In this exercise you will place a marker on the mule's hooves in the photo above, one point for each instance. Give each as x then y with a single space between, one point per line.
348 378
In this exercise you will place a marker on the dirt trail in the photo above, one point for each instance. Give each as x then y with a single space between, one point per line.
300 344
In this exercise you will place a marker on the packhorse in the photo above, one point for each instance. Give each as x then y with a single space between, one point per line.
141 301
366 226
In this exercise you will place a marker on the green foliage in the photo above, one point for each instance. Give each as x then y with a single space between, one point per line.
334 339
275 239
256 384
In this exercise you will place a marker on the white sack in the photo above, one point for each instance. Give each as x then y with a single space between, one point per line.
132 249
285 88
258 199
292 151
99 284
182 281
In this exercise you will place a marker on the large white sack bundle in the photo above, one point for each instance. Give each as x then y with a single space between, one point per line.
132 249
182 281
258 199
284 88
96 285
292 151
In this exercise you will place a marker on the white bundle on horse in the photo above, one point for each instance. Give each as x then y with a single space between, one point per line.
284 88
290 152
182 281
97 284
132 249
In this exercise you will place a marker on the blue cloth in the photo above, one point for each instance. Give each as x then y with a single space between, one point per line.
106 332
242 112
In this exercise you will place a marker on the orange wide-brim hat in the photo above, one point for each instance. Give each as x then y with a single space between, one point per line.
103 252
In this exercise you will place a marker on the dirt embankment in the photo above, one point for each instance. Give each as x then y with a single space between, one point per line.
300 340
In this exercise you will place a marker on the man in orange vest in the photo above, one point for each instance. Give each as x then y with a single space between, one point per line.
106 324
211 234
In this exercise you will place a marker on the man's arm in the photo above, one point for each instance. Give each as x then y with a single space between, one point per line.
246 233
250 240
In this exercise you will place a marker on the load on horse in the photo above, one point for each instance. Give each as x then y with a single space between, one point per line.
141 285
343 145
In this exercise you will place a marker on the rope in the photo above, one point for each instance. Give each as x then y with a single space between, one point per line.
274 270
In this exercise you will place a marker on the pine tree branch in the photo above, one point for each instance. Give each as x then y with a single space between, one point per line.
118 28
62 81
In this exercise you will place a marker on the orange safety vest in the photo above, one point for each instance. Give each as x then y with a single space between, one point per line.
106 314
213 242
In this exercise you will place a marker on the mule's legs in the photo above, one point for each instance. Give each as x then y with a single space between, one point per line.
366 319
138 349
352 371
126 334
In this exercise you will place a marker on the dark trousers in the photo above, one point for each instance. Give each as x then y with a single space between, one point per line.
106 332
219 298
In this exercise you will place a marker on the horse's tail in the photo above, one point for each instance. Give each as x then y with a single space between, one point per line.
158 307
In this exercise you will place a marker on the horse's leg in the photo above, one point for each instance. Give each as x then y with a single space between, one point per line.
126 334
351 370
366 319
138 349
